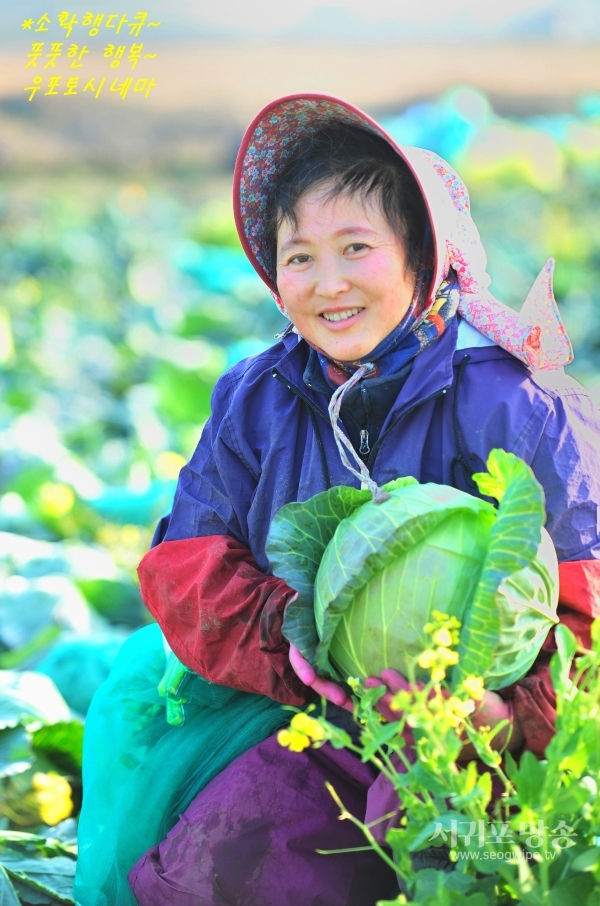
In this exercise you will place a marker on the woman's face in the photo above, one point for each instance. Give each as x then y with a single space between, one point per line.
342 274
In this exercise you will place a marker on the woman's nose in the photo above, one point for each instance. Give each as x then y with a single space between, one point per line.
330 279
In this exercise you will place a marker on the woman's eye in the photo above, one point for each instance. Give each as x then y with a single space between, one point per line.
299 259
357 247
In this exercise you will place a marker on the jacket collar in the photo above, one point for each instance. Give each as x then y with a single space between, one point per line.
432 372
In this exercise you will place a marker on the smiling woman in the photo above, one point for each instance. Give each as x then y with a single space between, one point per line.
370 250
342 273
347 234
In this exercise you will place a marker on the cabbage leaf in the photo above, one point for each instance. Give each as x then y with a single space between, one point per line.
369 544
368 576
514 542
298 536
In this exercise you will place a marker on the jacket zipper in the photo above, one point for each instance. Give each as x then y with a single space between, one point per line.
371 460
309 402
364 443
375 449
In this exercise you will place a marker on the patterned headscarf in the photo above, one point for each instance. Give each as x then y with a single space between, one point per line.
535 335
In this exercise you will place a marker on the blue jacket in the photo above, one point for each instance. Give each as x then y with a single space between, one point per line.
269 440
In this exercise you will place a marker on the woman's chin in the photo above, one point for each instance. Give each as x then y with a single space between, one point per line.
343 346
345 352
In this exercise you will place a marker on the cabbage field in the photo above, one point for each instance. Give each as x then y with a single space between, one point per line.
122 300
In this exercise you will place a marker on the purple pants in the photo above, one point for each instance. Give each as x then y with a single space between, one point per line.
249 838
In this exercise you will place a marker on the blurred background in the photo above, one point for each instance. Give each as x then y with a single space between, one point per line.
124 293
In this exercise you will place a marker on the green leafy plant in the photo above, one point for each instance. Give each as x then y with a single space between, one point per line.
40 752
35 870
536 842
370 575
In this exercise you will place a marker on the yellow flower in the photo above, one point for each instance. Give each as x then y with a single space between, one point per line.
307 725
438 674
462 709
427 659
444 629
446 656
442 637
293 740
53 796
442 619
401 701
473 686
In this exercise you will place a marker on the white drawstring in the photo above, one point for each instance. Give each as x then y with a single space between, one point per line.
364 476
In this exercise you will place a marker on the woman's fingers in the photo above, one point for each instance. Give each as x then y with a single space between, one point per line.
384 706
372 682
490 710
394 680
391 679
333 693
301 667
306 672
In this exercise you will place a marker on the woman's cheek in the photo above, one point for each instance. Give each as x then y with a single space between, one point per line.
291 289
378 268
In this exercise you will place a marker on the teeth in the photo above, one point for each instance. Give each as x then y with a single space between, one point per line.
341 315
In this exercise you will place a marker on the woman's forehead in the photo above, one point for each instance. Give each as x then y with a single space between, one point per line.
342 211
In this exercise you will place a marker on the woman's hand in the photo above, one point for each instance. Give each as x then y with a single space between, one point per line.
490 711
331 691
394 682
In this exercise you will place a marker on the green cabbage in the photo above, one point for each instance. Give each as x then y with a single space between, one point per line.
369 576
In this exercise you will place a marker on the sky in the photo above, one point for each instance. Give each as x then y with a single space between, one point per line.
377 20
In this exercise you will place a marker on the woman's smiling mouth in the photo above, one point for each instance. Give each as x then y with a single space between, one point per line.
341 315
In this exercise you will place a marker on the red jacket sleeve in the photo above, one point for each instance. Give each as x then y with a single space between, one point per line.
221 615
533 696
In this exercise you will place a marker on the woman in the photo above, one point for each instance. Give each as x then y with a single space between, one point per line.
370 251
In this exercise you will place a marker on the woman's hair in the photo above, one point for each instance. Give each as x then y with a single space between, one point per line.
356 162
